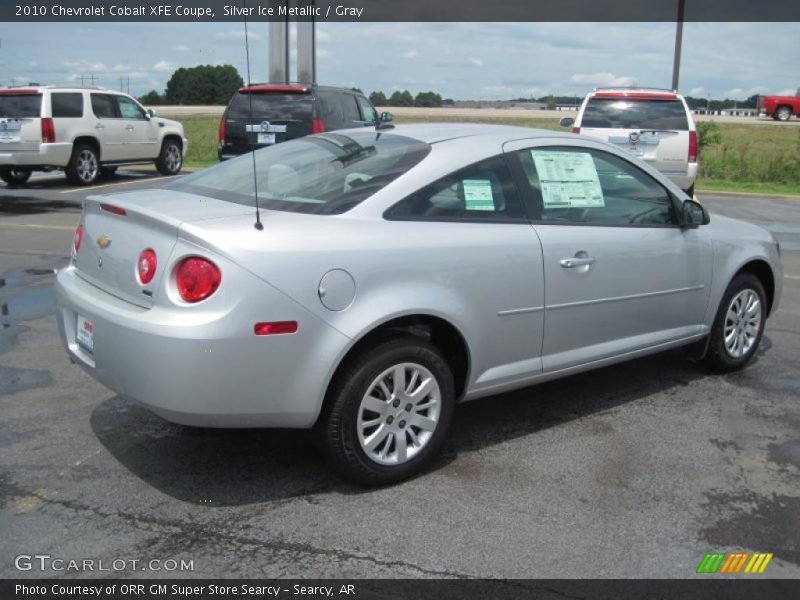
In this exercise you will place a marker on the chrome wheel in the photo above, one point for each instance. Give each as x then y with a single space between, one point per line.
86 166
742 323
399 414
172 158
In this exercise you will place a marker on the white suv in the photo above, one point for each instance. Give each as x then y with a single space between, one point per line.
654 124
87 132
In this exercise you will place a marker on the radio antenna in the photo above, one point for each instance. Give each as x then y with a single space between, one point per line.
259 225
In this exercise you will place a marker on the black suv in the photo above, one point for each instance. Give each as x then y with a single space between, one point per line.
283 112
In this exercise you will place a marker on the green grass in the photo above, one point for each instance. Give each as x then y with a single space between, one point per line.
746 158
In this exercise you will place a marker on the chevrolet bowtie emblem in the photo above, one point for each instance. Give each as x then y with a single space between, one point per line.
104 241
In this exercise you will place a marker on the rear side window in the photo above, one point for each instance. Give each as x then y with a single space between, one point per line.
15 106
104 106
484 191
628 113
66 105
330 109
271 107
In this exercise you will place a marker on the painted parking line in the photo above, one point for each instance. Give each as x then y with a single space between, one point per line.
97 187
36 226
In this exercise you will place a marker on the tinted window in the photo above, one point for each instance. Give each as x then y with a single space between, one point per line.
129 109
66 105
483 191
20 107
575 185
330 109
349 108
635 114
104 106
277 107
324 174
367 111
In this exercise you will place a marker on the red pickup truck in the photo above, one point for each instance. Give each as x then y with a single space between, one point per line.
780 108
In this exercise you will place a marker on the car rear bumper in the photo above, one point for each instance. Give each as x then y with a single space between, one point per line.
205 370
48 155
684 179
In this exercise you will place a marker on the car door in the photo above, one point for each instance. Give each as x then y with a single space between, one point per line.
495 263
141 136
109 127
620 274
368 113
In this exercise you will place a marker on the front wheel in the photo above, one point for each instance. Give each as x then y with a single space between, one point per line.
170 161
739 324
15 176
784 113
388 412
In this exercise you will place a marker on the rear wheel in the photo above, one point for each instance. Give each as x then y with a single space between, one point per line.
15 176
739 324
388 412
170 161
784 113
84 166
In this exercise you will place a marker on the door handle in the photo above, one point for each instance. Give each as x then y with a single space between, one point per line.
99 126
571 263
129 127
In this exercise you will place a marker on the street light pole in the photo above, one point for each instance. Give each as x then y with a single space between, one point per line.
676 65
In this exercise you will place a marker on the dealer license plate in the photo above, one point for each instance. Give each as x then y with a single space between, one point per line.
266 138
85 334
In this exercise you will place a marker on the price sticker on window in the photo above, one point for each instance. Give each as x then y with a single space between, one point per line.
478 194
568 179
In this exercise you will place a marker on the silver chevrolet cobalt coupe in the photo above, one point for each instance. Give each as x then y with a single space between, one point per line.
384 275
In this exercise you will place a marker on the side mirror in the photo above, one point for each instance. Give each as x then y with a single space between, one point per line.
567 122
387 117
694 214
150 113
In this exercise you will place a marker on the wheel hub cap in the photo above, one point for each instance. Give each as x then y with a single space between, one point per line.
742 323
399 414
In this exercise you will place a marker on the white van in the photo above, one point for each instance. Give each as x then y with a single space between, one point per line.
655 125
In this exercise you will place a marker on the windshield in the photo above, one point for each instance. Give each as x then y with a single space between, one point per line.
322 174
18 106
635 114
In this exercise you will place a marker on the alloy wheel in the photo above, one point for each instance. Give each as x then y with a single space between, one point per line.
742 323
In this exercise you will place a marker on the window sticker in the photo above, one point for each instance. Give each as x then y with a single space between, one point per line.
478 194
568 179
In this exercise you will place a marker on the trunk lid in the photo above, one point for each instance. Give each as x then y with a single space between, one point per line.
112 242
20 120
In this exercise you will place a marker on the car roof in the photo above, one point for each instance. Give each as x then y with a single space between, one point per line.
432 133
294 88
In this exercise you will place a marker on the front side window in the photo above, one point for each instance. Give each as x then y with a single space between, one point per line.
66 104
484 191
367 111
128 109
322 174
583 186
104 106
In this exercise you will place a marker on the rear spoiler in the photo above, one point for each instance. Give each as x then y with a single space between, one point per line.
274 89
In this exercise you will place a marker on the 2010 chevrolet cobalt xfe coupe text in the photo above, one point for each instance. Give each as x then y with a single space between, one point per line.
385 275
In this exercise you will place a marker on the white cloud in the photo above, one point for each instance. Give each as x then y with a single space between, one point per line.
323 53
410 54
787 92
602 79
120 68
474 61
182 48
236 36
33 63
742 94
698 92
163 65
85 65
322 36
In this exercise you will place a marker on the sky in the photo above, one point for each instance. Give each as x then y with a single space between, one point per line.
458 60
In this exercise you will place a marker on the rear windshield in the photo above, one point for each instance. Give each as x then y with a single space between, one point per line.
627 113
321 174
20 107
276 107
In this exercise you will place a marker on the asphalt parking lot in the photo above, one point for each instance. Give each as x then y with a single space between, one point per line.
635 470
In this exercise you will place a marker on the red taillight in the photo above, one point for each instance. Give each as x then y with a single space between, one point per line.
692 146
221 133
275 328
197 278
576 130
76 241
114 210
317 126
146 267
48 131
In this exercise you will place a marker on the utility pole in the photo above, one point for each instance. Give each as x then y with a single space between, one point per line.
676 64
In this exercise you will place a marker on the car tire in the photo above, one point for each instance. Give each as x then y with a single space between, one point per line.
84 165
108 171
14 177
361 427
784 113
170 160
741 315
